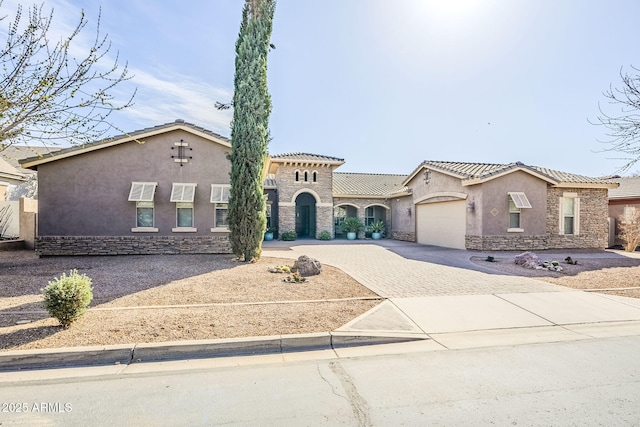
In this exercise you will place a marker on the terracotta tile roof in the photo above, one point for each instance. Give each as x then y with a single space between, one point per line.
629 188
483 171
306 157
366 184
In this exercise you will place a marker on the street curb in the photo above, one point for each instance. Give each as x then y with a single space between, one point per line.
125 354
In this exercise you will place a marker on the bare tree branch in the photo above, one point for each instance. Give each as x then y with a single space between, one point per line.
49 95
622 118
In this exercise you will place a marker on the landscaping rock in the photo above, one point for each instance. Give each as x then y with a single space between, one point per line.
307 266
528 258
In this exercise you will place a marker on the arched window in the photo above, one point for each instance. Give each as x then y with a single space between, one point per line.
306 176
314 176
297 176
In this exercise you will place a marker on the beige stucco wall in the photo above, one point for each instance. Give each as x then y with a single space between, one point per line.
495 204
87 194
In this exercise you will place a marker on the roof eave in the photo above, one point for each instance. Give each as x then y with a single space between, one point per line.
33 162
604 185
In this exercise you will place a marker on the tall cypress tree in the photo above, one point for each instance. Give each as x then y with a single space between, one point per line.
250 130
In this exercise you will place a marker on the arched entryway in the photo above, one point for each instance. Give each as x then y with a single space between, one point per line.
305 215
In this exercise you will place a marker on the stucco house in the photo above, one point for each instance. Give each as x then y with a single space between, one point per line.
165 190
9 175
624 202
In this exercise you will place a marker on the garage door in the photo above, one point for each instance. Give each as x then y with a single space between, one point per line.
442 224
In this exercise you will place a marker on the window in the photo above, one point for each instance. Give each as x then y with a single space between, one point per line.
569 214
339 214
514 216
306 176
183 195
314 176
297 176
268 214
517 201
220 200
184 215
142 193
144 214
369 216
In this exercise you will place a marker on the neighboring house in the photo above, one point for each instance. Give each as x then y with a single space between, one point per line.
13 154
624 202
165 190
9 176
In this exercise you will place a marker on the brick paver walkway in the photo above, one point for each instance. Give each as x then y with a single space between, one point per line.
392 276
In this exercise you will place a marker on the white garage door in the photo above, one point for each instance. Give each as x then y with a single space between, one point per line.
442 224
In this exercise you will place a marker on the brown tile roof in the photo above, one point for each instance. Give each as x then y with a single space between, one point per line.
484 171
366 184
629 188
306 157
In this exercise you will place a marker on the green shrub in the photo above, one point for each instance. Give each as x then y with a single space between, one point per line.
67 298
324 235
289 235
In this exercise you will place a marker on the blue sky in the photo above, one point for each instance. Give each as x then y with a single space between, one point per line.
386 84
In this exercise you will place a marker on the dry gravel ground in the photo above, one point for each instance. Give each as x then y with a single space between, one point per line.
172 297
591 272
180 297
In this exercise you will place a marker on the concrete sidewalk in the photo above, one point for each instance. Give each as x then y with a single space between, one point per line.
445 304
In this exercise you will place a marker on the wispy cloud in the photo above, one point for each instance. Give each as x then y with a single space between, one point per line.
165 96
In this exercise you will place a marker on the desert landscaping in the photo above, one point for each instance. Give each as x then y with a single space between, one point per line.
156 298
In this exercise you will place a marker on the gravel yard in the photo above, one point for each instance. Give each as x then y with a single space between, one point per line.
172 297
182 297
591 272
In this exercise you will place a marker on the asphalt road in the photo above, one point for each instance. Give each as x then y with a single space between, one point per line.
579 383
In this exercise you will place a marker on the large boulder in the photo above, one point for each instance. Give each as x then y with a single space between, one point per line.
307 266
527 259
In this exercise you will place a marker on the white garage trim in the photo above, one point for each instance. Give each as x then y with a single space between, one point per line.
451 195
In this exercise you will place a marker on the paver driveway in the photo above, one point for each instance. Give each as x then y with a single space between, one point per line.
393 276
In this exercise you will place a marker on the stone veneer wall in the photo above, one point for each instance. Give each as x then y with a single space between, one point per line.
131 245
593 233
406 236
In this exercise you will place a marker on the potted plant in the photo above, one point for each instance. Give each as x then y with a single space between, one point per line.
376 228
352 226
268 234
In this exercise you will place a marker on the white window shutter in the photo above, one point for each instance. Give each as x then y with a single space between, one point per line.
183 192
220 193
142 191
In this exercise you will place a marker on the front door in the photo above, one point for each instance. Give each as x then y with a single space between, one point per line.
302 220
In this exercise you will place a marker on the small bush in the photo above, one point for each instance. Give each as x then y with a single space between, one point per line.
324 235
289 235
67 298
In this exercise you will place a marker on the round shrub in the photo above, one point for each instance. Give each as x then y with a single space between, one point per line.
324 235
289 235
66 298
